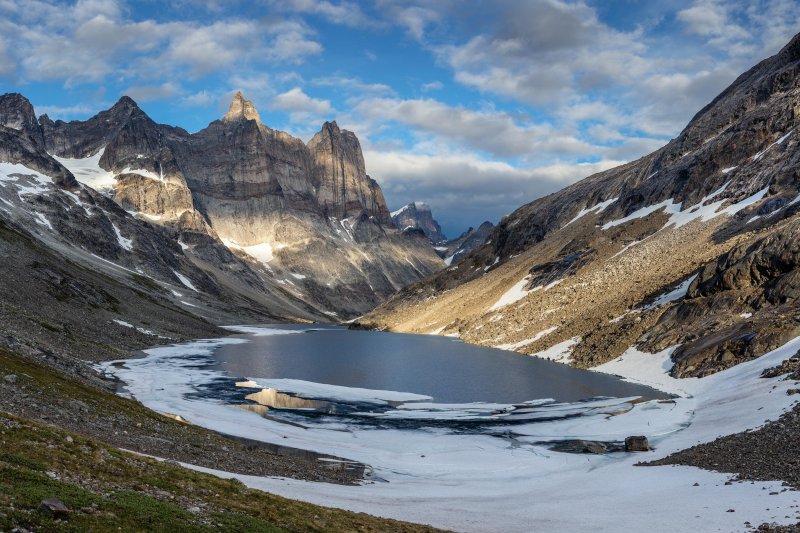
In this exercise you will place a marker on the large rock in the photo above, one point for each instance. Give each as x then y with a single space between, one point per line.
54 507
636 444
241 109
17 113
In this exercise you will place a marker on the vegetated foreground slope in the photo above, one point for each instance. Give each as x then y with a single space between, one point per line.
694 245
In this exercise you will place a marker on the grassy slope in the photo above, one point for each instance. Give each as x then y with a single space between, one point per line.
107 489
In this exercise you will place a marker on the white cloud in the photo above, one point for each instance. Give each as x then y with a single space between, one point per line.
144 93
493 132
199 99
351 84
301 107
68 112
92 41
344 13
464 189
432 86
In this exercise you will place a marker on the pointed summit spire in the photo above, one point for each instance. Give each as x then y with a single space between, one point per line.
241 109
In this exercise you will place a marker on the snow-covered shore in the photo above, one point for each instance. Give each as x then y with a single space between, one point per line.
479 482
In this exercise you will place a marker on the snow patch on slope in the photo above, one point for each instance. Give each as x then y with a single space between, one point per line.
126 244
186 281
514 294
597 208
560 353
89 172
515 345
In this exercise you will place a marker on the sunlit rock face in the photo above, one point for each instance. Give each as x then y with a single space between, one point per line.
307 218
241 109
343 188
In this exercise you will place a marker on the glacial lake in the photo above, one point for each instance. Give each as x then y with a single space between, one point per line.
445 369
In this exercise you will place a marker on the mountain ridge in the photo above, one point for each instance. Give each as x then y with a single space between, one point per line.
583 274
238 191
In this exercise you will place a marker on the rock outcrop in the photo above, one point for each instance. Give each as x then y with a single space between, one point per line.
241 109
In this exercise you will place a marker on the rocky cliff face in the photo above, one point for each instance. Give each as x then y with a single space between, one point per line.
255 208
633 256
418 215
343 188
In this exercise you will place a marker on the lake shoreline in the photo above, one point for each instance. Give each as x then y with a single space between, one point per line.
422 467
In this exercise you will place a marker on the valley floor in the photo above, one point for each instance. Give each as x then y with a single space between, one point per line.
473 482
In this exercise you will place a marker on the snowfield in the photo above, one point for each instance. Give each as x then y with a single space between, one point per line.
487 481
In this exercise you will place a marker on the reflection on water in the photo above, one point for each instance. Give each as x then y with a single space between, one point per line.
447 370
270 398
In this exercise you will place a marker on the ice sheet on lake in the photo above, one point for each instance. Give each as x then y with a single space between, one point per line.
260 331
323 391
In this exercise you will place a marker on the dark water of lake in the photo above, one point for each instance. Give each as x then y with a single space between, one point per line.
446 369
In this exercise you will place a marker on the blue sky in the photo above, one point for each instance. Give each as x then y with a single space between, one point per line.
475 107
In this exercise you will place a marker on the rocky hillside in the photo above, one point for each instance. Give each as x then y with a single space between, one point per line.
692 248
241 211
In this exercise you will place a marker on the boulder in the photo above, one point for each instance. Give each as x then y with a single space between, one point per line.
636 444
54 508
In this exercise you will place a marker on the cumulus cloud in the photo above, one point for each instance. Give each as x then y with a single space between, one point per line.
344 13
494 132
144 93
199 99
301 107
464 189
93 40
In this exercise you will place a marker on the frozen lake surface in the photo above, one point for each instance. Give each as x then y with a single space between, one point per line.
473 450
445 369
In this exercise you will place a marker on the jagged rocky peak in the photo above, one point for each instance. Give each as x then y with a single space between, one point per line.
418 215
340 177
241 109
16 112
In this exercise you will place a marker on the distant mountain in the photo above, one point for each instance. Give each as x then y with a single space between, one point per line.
691 248
418 215
456 249
241 210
